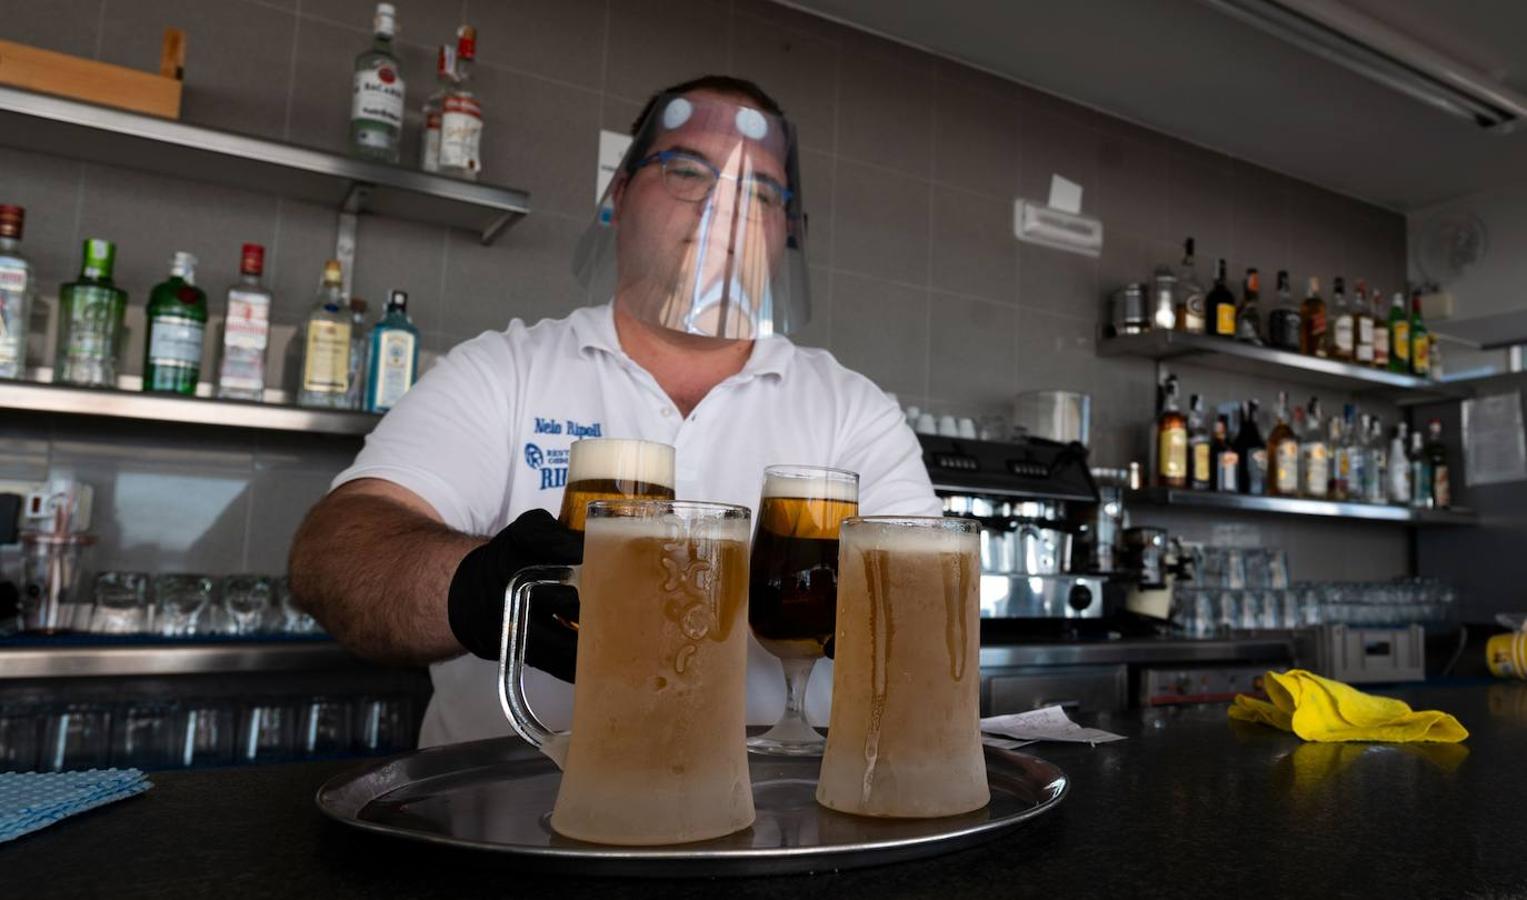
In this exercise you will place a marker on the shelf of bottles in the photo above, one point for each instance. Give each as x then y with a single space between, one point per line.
66 128
1297 506
127 401
1224 354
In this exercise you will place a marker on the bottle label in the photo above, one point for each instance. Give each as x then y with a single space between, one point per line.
326 365
395 367
1256 471
1317 469
1228 479
430 159
1399 341
1442 492
1365 340
1173 451
1286 468
378 95
1224 320
461 134
13 279
175 341
1201 471
1420 356
1381 346
248 324
1343 335
13 322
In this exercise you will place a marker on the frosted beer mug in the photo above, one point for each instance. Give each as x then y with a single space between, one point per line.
904 738
657 751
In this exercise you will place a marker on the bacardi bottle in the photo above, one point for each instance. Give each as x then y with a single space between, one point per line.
16 289
377 96
246 331
1343 328
177 324
1190 293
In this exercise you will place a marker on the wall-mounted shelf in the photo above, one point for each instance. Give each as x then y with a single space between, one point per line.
1373 512
59 127
122 404
41 659
1264 362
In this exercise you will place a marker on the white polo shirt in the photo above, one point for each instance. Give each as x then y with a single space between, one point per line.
484 436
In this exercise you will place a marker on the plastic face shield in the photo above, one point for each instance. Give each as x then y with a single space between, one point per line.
700 230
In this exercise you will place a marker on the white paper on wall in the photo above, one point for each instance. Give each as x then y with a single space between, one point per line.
1494 441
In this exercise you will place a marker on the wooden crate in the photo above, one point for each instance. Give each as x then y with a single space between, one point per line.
47 72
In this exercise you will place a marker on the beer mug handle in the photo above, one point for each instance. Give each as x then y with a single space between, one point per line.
511 658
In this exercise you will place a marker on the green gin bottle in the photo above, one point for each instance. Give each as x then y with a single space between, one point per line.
90 312
177 322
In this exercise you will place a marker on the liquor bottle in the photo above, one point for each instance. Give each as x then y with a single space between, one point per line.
1248 319
16 289
1399 335
429 149
1221 304
1362 314
1283 454
177 324
1357 456
1314 455
246 330
1283 321
394 356
1190 293
1340 465
1378 462
1312 321
1420 474
377 96
1436 460
355 389
1380 331
90 312
1251 452
461 115
1226 460
1342 332
1399 468
1420 340
1171 439
1200 463
325 343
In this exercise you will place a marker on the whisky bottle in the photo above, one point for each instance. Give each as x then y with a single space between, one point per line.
1221 304
1380 330
1248 319
1171 439
1201 464
1312 321
1283 454
1283 321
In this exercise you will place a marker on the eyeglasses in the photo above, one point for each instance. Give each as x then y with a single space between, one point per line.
691 179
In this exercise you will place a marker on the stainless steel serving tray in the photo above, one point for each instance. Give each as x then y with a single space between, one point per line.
498 794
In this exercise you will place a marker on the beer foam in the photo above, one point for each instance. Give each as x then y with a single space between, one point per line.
870 534
632 527
617 459
811 488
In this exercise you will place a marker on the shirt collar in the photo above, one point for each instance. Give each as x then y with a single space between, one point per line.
594 327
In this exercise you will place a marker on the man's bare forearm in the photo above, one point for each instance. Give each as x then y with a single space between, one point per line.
376 573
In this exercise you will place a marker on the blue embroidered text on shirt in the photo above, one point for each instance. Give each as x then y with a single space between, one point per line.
570 426
550 462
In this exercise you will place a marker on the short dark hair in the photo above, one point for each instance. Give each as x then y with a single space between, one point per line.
716 84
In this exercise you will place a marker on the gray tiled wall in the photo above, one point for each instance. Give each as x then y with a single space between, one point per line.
910 166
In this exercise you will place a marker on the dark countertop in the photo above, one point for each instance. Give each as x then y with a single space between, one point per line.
1190 805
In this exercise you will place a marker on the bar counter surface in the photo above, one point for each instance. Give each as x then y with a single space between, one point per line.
1191 805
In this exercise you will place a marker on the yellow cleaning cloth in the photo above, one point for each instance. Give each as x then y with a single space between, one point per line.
1319 709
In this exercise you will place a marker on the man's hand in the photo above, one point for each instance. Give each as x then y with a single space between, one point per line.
476 600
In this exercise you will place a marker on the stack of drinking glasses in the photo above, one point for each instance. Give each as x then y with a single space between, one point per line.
195 733
1236 589
186 605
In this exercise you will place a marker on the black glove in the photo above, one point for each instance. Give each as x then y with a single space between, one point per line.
475 604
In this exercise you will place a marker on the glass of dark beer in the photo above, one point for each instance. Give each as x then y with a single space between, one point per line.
614 469
793 586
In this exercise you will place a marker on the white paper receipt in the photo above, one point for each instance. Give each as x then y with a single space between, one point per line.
1048 724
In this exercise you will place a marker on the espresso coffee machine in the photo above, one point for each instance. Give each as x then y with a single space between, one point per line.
1032 498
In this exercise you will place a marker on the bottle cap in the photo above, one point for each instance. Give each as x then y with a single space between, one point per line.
386 20
12 219
466 43
398 299
251 259
184 265
357 305
100 256
332 273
